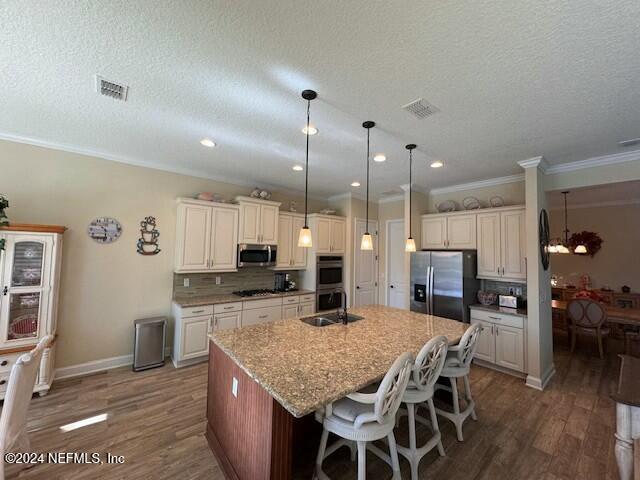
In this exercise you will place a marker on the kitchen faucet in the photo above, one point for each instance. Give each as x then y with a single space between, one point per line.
341 316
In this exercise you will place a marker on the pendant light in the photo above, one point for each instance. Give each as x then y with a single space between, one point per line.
560 246
304 239
367 242
410 245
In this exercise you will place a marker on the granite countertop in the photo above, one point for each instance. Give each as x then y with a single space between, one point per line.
305 367
188 301
522 312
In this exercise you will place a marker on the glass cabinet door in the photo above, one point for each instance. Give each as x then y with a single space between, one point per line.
27 268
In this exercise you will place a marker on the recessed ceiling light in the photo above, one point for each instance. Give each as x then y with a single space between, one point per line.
207 143
297 168
379 157
310 130
437 164
355 184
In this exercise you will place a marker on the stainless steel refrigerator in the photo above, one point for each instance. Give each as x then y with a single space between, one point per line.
444 283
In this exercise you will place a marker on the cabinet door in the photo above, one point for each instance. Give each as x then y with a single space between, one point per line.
26 286
488 245
434 232
298 254
322 236
193 237
250 223
269 224
510 348
308 308
486 343
224 239
338 240
290 311
225 321
195 340
512 239
261 315
285 228
461 232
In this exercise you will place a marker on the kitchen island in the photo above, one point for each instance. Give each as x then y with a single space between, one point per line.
264 380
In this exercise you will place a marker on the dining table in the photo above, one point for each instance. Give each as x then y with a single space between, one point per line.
621 316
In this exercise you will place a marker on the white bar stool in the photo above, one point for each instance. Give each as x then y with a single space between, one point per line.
426 371
366 417
458 364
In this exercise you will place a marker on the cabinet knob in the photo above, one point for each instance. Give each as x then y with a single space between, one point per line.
2 382
4 363
390 286
5 290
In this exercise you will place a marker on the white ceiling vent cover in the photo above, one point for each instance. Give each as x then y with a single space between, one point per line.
111 89
420 108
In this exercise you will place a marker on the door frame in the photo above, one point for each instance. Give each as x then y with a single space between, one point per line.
387 244
356 247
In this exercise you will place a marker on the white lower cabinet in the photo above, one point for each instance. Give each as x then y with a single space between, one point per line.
224 321
502 339
195 341
308 308
261 315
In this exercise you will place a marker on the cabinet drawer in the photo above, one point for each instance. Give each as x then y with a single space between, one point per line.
309 297
267 302
227 307
291 300
186 312
514 321
261 315
7 361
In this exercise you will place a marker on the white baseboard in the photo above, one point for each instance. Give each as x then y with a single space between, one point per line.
98 366
541 383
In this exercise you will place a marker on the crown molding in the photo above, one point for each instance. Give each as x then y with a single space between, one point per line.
601 161
535 162
102 155
479 184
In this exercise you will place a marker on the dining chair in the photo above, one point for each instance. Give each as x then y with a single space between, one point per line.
366 417
13 421
425 372
588 318
458 365
631 334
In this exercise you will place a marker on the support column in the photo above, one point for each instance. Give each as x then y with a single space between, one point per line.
540 367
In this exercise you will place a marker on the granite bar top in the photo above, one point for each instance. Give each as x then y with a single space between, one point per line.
522 312
305 367
187 301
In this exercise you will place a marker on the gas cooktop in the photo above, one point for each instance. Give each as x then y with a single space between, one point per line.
263 292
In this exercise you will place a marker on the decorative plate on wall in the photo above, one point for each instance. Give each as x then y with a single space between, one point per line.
104 230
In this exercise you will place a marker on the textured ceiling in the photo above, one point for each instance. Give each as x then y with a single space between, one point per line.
512 79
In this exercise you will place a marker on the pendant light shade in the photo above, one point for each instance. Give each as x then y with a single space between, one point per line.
410 245
367 241
304 239
580 249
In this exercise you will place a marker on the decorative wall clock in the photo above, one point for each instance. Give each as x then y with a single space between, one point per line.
104 230
543 236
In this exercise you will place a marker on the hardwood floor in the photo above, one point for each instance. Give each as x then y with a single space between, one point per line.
156 419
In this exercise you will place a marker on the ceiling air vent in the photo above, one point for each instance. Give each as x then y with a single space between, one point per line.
111 89
420 108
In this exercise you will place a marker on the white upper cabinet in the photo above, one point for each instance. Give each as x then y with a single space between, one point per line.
452 232
206 236
258 221
501 245
290 256
329 234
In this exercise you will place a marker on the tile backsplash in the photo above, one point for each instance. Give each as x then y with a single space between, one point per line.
502 288
205 283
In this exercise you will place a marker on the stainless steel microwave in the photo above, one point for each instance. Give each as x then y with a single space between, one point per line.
256 255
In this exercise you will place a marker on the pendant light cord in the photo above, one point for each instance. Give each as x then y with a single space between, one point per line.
367 206
566 225
410 167
306 169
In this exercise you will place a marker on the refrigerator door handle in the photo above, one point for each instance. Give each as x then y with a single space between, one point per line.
431 290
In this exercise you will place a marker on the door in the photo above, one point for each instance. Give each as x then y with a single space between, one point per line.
489 245
226 321
513 244
193 242
269 224
434 233
461 232
284 241
249 223
510 348
397 287
365 266
25 288
290 311
338 237
195 341
298 254
486 342
446 285
322 237
224 239
307 308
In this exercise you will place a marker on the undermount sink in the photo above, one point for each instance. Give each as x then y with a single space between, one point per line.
329 319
